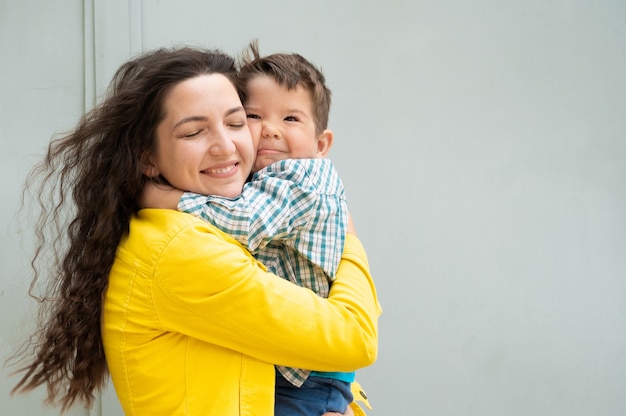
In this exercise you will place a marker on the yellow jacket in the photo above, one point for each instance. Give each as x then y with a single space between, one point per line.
193 325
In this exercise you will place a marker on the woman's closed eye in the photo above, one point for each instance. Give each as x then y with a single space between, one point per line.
236 121
192 134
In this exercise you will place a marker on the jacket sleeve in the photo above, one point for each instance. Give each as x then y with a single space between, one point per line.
207 286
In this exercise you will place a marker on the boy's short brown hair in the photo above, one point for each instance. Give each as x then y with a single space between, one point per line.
288 70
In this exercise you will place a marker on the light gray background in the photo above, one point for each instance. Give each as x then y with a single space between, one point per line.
483 148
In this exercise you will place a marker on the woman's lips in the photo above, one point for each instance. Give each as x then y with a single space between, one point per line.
220 170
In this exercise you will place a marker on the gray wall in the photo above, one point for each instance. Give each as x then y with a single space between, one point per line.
483 148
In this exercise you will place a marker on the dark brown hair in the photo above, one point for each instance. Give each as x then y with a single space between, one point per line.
288 70
87 187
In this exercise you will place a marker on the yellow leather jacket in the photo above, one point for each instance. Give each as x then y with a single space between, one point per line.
193 325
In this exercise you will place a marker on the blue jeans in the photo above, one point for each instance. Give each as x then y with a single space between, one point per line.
315 397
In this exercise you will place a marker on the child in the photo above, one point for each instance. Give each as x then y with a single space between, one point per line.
292 215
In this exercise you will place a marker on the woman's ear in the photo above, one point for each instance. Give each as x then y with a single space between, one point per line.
324 143
148 167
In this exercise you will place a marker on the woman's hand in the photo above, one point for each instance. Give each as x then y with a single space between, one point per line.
350 229
160 196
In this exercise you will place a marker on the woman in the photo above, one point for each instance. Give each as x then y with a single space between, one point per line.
183 317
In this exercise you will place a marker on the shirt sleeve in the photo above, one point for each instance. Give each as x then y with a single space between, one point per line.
242 307
292 200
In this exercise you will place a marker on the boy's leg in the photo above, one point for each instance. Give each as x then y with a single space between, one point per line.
316 396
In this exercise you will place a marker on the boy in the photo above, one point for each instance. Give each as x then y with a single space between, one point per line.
292 215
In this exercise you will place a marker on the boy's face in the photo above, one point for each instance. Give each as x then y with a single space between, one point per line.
282 124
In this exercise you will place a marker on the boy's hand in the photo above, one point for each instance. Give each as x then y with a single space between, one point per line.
160 196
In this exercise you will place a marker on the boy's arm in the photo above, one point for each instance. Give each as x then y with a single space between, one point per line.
278 202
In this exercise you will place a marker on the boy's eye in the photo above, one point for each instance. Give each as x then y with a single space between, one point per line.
253 116
291 118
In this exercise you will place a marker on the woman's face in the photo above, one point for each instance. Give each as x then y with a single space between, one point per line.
203 143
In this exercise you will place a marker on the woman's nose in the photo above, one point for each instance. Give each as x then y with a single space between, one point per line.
222 145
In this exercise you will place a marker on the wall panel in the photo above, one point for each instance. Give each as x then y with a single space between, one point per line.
482 146
42 89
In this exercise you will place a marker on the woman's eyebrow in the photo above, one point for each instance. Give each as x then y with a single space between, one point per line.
203 118
235 109
188 119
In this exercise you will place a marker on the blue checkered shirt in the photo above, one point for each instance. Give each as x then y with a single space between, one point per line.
292 216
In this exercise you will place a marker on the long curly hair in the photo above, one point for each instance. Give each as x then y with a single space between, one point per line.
86 189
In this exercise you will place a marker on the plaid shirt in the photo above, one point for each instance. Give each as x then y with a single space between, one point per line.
292 216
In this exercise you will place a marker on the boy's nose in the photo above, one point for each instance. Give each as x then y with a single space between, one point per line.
269 130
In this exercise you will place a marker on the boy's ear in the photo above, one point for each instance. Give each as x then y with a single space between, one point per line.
148 167
324 143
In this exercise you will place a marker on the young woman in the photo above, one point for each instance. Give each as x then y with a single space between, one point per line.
183 317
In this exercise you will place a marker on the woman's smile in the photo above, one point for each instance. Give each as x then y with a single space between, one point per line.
221 171
203 143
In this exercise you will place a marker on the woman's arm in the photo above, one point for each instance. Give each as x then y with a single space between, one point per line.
210 288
